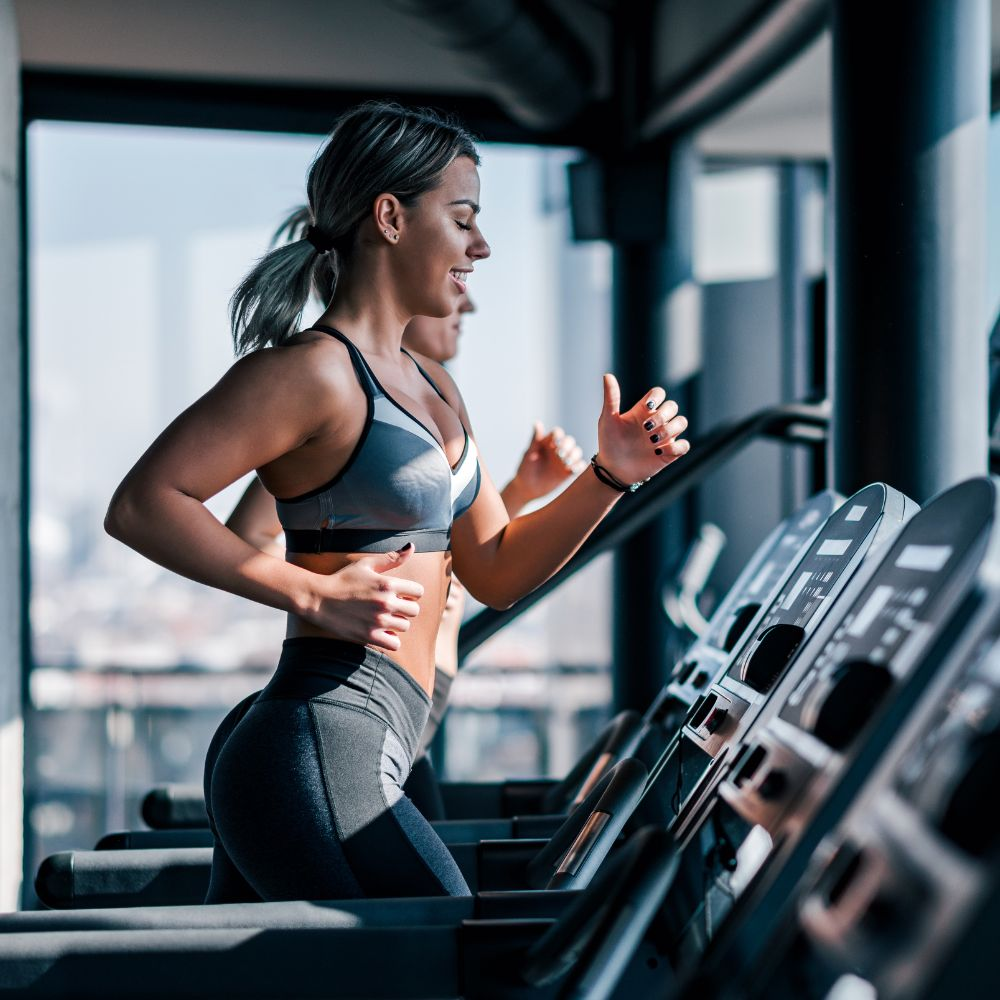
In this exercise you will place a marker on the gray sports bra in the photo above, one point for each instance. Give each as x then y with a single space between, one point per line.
396 487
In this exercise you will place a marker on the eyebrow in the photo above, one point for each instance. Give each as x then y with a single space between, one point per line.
467 201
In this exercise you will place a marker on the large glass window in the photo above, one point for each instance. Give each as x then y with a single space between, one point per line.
137 237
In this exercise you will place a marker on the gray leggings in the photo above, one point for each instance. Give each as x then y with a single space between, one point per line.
304 791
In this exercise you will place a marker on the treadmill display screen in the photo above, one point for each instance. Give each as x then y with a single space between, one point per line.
905 591
817 573
774 564
929 558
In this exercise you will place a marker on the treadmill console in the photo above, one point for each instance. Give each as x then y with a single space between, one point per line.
721 717
906 890
785 769
742 604
861 662
816 577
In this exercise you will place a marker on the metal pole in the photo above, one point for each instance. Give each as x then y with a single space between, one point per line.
798 274
656 321
909 339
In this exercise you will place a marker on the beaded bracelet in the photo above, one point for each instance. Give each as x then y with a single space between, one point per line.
613 481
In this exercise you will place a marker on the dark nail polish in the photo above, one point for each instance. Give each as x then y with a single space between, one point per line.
659 451
648 425
650 404
654 438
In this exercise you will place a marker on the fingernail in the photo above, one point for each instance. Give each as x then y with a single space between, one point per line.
408 545
659 451
654 438
650 405
648 425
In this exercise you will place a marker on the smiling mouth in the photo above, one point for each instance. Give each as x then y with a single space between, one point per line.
460 277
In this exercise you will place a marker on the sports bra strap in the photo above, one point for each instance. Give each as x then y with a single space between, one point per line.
423 372
361 367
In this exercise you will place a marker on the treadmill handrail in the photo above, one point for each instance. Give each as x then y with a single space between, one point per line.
794 423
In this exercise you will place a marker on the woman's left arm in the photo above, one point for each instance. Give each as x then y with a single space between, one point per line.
500 560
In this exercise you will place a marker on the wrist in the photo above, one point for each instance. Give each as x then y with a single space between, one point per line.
514 496
304 595
611 479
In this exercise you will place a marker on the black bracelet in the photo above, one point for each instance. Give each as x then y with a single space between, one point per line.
611 480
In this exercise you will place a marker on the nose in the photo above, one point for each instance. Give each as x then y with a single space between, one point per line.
479 250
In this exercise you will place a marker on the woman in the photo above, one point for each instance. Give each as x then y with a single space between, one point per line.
549 460
306 791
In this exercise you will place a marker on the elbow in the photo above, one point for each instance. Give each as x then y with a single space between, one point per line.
492 596
500 603
496 599
121 518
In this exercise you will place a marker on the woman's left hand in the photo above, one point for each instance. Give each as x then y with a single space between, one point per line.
550 459
635 445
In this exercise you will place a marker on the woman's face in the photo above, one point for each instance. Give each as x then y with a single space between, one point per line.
440 243
437 338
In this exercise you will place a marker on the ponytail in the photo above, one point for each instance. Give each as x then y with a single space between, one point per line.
266 307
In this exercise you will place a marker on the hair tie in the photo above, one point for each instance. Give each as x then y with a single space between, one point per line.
319 239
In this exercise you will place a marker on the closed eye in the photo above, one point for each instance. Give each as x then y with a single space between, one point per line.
462 225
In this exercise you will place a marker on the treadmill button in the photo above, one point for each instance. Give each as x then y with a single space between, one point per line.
769 656
773 785
715 720
856 688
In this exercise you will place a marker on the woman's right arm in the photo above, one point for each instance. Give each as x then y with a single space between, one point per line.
259 411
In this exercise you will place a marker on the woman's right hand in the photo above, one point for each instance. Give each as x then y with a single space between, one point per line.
362 603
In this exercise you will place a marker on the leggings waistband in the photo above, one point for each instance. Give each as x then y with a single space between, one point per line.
359 677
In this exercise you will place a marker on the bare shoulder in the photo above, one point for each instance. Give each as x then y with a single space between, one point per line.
306 368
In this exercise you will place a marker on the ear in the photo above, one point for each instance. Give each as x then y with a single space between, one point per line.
388 217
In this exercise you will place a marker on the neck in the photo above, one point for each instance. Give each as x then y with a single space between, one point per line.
374 321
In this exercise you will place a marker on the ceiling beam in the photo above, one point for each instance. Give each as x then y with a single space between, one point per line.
193 103
535 66
732 70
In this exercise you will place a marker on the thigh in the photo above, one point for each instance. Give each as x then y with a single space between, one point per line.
272 815
390 846
307 803
227 884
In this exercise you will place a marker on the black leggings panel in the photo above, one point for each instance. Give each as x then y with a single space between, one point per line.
305 793
424 790
439 705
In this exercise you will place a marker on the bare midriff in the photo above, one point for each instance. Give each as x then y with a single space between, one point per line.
432 570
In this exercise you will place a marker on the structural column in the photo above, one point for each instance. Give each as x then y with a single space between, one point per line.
12 433
908 332
657 341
